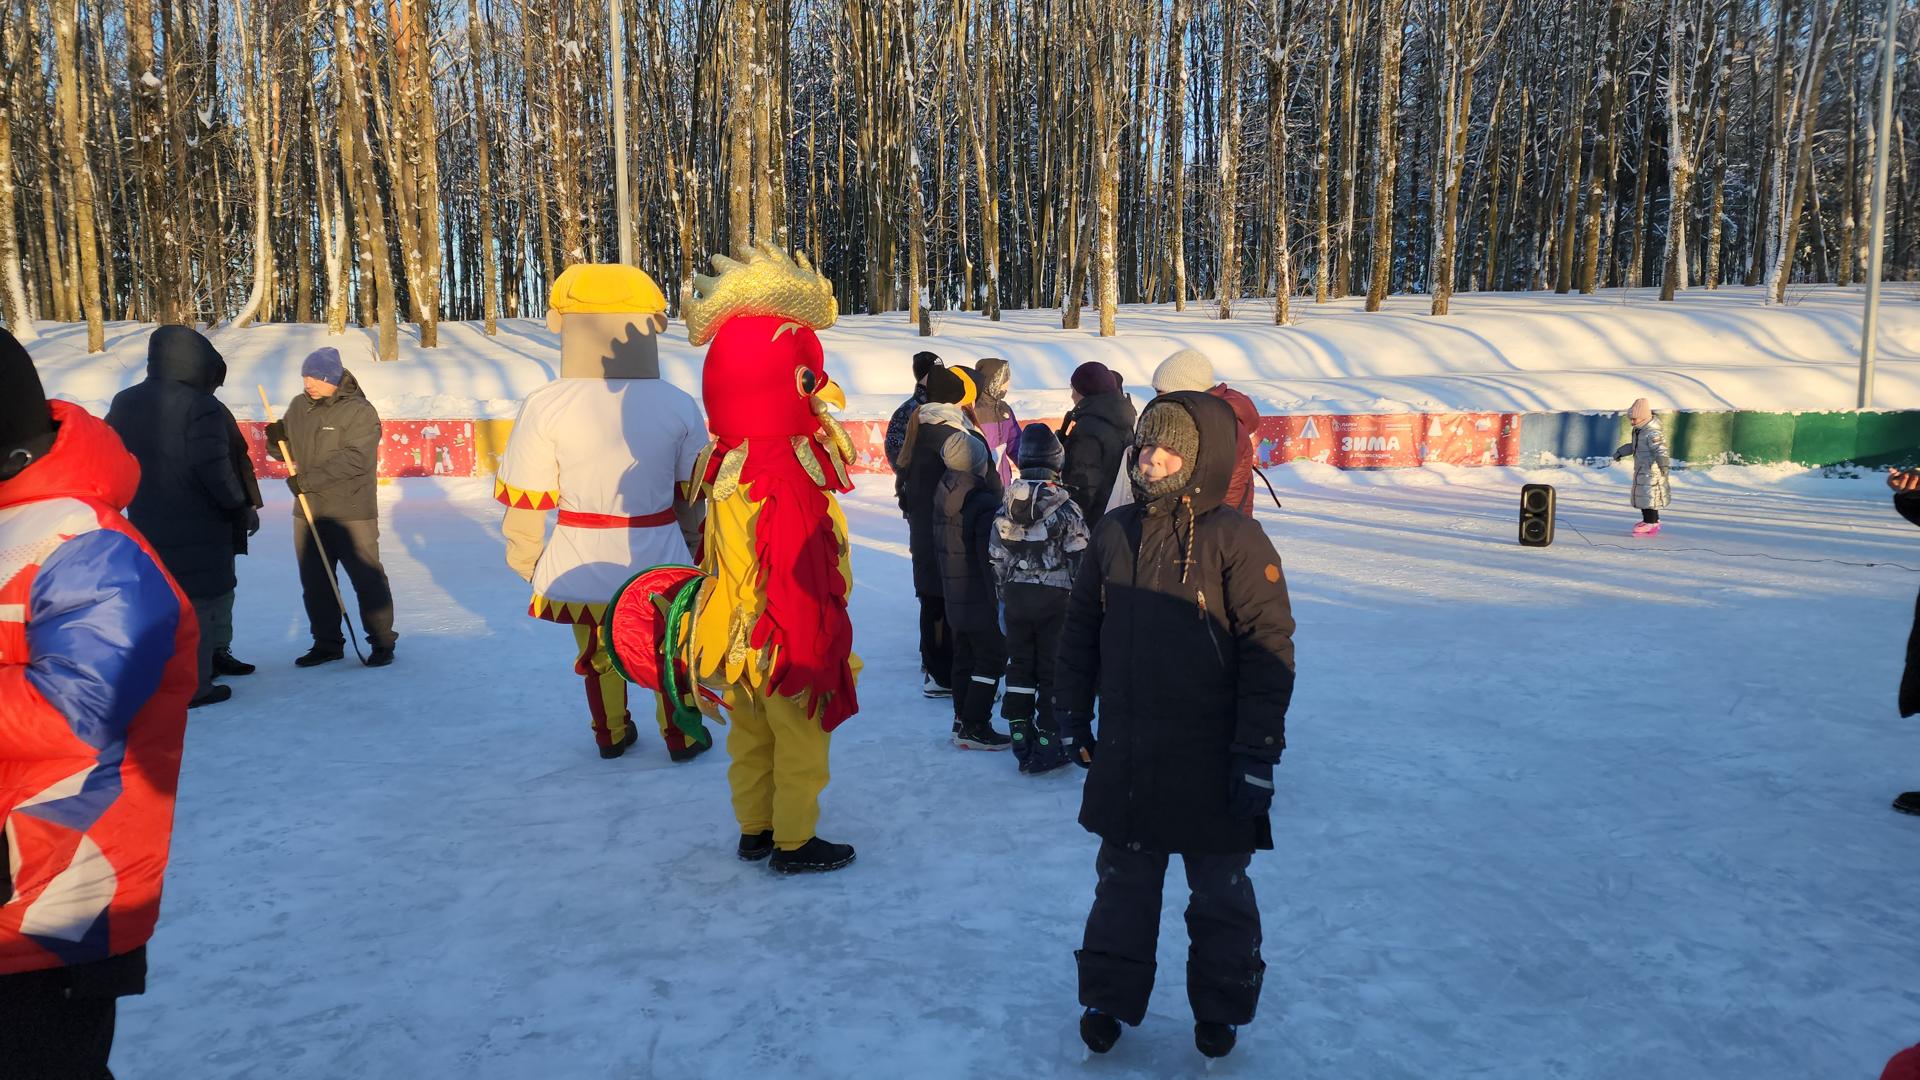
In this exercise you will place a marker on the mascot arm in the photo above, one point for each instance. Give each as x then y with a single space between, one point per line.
526 533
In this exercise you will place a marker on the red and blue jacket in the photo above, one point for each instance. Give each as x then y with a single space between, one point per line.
97 661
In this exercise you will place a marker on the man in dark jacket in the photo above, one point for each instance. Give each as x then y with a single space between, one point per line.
964 506
334 433
191 502
1179 626
923 364
1096 434
917 472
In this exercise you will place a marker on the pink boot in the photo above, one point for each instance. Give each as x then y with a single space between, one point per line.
1647 528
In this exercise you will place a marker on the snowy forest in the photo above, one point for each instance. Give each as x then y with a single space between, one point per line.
381 161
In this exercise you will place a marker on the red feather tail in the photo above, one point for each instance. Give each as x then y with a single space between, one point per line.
805 618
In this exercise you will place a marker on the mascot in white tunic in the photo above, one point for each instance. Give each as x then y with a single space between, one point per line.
610 447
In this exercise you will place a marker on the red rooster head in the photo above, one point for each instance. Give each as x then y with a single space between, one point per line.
765 375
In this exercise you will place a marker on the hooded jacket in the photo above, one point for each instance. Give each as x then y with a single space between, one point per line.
190 494
1179 627
97 661
1240 491
1096 435
1651 462
336 447
964 506
915 479
998 424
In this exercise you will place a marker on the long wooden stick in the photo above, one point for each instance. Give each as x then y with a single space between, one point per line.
313 529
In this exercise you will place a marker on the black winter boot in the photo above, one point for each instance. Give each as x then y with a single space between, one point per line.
756 846
632 736
215 695
1099 1031
321 654
381 656
816 856
1213 1040
225 664
1908 802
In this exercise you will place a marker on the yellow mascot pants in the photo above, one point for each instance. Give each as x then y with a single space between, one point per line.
607 694
779 766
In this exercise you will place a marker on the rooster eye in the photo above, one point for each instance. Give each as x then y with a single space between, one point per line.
804 378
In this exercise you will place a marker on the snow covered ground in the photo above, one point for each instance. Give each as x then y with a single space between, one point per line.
1578 812
1498 352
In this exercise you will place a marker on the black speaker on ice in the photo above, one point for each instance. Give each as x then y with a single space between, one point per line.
1536 515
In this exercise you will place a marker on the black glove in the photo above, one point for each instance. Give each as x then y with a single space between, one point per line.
1249 786
276 433
1076 738
250 519
294 485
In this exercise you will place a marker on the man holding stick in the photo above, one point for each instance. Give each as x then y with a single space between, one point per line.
330 440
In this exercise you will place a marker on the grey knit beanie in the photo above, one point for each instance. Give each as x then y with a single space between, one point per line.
1188 369
1169 426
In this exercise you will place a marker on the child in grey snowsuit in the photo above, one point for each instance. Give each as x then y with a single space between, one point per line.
1037 541
1651 462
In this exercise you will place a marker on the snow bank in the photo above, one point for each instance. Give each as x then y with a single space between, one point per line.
1499 352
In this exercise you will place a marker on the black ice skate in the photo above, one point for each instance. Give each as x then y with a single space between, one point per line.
1213 1040
1099 1031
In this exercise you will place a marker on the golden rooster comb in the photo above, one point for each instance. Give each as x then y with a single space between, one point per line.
765 281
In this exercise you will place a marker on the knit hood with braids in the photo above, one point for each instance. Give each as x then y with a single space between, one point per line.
1207 474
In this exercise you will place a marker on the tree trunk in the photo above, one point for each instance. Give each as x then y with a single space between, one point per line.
253 60
483 194
1600 169
14 308
1228 287
1386 151
367 208
67 71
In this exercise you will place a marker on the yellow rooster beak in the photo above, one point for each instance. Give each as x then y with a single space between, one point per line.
831 394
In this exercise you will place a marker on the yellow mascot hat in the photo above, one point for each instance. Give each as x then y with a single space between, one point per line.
604 288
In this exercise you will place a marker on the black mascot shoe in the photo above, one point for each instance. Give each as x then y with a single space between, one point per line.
321 654
690 751
632 736
816 856
1099 1031
225 664
756 846
1213 1040
214 696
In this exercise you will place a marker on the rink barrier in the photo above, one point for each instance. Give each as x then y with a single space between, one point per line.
1369 441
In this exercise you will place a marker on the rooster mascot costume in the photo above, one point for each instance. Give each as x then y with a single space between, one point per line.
761 627
610 445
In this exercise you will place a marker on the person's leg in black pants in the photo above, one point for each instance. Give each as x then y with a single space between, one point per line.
49 1035
1116 955
358 553
353 546
323 612
936 643
1651 517
1224 969
1019 705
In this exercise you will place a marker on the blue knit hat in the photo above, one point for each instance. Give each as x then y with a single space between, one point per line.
324 364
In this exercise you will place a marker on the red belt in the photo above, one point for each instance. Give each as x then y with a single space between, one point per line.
579 520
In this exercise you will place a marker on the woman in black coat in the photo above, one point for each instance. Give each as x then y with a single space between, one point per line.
1906 500
190 494
1096 434
1180 628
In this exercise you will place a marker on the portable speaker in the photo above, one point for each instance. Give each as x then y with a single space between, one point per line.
1536 515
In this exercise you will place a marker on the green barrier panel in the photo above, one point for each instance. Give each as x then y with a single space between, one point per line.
1824 438
1760 438
1888 439
1699 438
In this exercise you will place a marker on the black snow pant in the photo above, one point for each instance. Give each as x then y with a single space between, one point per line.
979 659
205 613
936 641
354 545
48 1033
1224 969
1033 645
